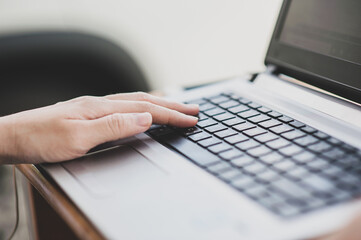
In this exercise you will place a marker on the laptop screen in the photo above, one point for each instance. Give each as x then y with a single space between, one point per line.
320 39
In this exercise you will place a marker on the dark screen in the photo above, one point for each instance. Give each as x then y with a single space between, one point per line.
327 27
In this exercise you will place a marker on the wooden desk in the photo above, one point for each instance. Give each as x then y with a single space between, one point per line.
55 216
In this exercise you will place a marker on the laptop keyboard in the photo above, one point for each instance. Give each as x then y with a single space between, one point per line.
285 165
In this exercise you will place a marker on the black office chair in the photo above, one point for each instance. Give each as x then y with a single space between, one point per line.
38 69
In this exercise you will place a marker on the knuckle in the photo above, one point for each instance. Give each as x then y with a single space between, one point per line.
146 106
116 123
143 96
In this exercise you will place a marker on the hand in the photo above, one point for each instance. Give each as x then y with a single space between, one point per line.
67 130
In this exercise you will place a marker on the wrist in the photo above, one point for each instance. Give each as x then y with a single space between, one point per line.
7 140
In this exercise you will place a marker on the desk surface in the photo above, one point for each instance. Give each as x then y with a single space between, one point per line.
62 205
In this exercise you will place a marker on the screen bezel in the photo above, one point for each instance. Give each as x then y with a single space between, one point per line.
313 68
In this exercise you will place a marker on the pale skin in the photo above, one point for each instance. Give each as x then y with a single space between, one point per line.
69 129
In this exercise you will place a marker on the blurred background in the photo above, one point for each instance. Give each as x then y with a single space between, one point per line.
53 50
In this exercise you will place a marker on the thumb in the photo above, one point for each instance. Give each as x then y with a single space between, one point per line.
118 125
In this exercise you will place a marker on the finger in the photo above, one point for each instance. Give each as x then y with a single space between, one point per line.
116 126
160 115
190 109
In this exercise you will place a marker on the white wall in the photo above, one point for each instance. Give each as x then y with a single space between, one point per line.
182 42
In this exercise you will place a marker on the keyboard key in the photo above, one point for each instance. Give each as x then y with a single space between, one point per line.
159 131
224 116
219 167
268 176
199 136
214 111
319 147
284 165
288 188
229 104
309 129
236 139
254 132
297 124
190 131
281 129
304 157
259 118
206 123
247 145
215 128
277 144
318 183
225 133
219 148
259 151
199 101
244 100
266 137
255 168
242 161
238 109
297 173
248 114
230 175
318 164
321 135
290 150
305 141
231 154
285 119
254 105
219 99
202 117
334 154
293 134
264 110
334 141
206 107
270 123
244 126
243 182
209 142
272 158
190 149
233 121
275 114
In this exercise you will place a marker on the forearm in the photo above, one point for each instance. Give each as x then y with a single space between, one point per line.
7 141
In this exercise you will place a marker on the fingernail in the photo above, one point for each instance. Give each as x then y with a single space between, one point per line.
193 118
143 119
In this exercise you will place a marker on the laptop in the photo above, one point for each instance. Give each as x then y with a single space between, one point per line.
274 156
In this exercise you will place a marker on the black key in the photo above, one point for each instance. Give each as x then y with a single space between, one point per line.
206 123
254 132
231 154
219 99
247 145
209 142
297 124
214 111
264 110
242 161
254 105
215 128
259 151
307 140
309 129
206 107
321 135
280 129
244 126
270 123
272 158
277 144
266 137
319 147
230 175
239 109
233 121
219 167
218 148
275 114
290 150
224 116
229 104
255 168
259 118
293 134
190 149
304 157
236 139
199 101
199 136
225 133
285 119
159 131
248 114
189 131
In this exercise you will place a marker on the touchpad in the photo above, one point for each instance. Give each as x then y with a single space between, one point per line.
114 171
